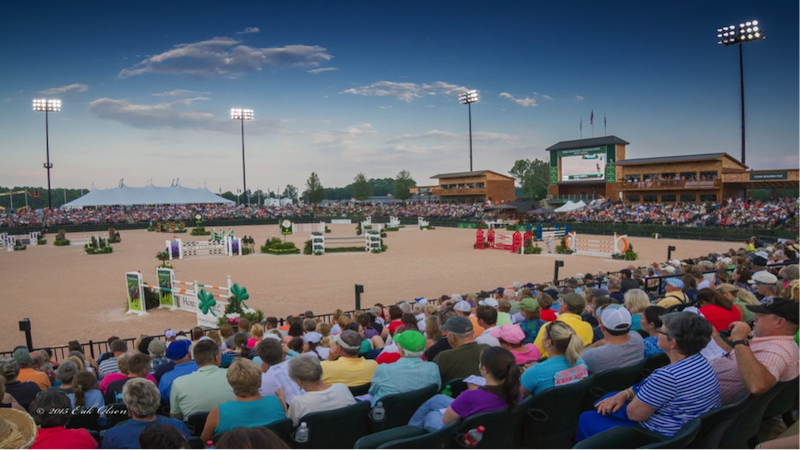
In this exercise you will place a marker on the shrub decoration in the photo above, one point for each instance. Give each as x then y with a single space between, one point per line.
61 239
275 246
97 246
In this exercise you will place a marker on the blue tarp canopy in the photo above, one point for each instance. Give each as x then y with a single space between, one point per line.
148 195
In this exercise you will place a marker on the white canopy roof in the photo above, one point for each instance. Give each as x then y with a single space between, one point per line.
571 206
148 195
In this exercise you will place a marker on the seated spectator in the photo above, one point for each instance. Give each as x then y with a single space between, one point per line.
204 389
717 309
487 319
345 366
546 300
44 363
740 298
138 367
65 375
7 400
674 295
275 370
636 300
257 334
242 349
432 332
242 327
312 344
90 364
512 338
672 395
571 308
249 409
122 372
756 365
142 399
443 343
178 353
27 368
157 350
306 371
86 395
109 365
295 331
409 373
564 364
23 392
504 312
651 323
530 310
463 308
462 361
370 333
690 286
161 435
498 367
620 347
51 411
251 438
615 290
592 297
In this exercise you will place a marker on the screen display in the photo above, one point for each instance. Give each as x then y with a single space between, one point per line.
590 166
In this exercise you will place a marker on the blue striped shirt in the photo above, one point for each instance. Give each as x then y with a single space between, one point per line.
405 375
679 392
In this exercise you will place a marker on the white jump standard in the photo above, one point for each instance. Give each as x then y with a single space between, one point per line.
596 247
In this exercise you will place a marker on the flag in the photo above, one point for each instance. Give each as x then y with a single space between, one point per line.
591 118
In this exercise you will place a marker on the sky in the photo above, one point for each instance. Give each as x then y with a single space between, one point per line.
340 88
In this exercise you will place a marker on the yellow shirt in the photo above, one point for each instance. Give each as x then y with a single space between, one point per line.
582 329
672 298
349 371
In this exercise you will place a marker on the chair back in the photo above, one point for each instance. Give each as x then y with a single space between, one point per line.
87 419
283 428
337 428
437 439
457 386
196 443
652 363
551 417
747 424
784 401
359 390
400 407
714 423
612 380
680 439
502 428
196 422
116 414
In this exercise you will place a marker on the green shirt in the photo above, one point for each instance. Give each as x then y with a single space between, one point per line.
200 391
460 362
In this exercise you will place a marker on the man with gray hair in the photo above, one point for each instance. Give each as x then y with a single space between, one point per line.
463 360
409 373
117 348
24 392
344 365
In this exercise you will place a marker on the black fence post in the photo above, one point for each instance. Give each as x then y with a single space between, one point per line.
359 291
555 275
25 326
670 249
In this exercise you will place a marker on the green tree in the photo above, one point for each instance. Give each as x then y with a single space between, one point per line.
314 192
402 185
290 192
533 176
362 190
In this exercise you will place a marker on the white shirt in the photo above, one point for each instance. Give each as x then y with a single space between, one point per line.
335 397
487 338
278 377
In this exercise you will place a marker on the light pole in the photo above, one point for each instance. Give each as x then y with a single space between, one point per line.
747 31
242 115
48 106
468 98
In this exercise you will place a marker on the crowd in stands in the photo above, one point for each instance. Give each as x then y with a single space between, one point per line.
731 213
727 325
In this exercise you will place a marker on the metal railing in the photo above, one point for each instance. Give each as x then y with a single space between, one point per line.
672 184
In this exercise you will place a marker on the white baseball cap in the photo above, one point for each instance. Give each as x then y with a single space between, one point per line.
462 306
489 302
616 318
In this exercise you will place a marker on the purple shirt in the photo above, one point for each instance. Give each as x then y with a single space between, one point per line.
471 402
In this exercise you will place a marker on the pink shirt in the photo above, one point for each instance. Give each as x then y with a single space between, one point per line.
779 354
118 376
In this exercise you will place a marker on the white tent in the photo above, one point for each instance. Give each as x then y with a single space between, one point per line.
148 195
571 206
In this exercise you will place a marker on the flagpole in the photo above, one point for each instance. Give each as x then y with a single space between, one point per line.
581 127
605 125
591 122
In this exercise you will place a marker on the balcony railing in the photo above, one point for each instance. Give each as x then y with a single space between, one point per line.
572 197
672 184
457 191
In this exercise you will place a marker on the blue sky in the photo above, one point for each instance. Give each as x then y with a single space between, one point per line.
345 87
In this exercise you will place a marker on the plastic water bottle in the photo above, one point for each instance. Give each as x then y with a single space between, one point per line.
378 412
473 437
447 391
301 435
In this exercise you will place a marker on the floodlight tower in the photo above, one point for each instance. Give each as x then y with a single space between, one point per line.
747 31
242 115
468 98
47 106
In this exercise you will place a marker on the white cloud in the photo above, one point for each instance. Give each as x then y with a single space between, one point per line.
322 69
170 115
178 93
249 30
547 97
578 98
225 57
75 87
524 102
407 92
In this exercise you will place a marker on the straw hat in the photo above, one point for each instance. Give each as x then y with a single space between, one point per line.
17 429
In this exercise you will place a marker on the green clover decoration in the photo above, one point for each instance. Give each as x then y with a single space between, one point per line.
206 302
241 294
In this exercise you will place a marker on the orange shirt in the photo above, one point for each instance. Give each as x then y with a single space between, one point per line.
478 329
40 378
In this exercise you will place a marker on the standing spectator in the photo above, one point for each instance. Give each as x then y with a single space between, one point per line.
204 389
51 412
109 365
28 364
409 373
23 392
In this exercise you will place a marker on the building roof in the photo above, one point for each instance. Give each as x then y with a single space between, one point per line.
147 195
678 158
468 174
584 143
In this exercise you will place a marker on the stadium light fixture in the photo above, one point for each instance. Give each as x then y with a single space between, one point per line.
732 35
242 115
47 105
468 98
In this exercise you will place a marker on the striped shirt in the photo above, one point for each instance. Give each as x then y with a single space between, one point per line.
405 375
679 392
106 367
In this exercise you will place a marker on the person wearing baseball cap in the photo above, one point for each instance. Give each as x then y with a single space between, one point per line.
462 360
532 321
463 308
512 338
621 347
760 357
569 312
674 295
182 362
409 373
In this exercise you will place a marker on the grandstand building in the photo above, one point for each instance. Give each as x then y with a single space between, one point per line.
587 169
470 187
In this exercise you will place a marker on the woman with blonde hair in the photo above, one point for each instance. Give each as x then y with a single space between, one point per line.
740 298
216 337
636 300
336 329
324 329
432 332
565 349
792 291
256 335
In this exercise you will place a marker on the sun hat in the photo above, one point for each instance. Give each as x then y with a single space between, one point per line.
458 324
156 347
17 429
410 340
463 306
509 333
528 304
763 277
178 349
616 319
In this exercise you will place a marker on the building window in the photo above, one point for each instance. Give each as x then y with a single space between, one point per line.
708 176
708 197
481 185
633 198
689 176
688 197
668 198
633 178
650 198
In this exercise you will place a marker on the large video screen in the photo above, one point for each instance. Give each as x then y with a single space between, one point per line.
590 166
